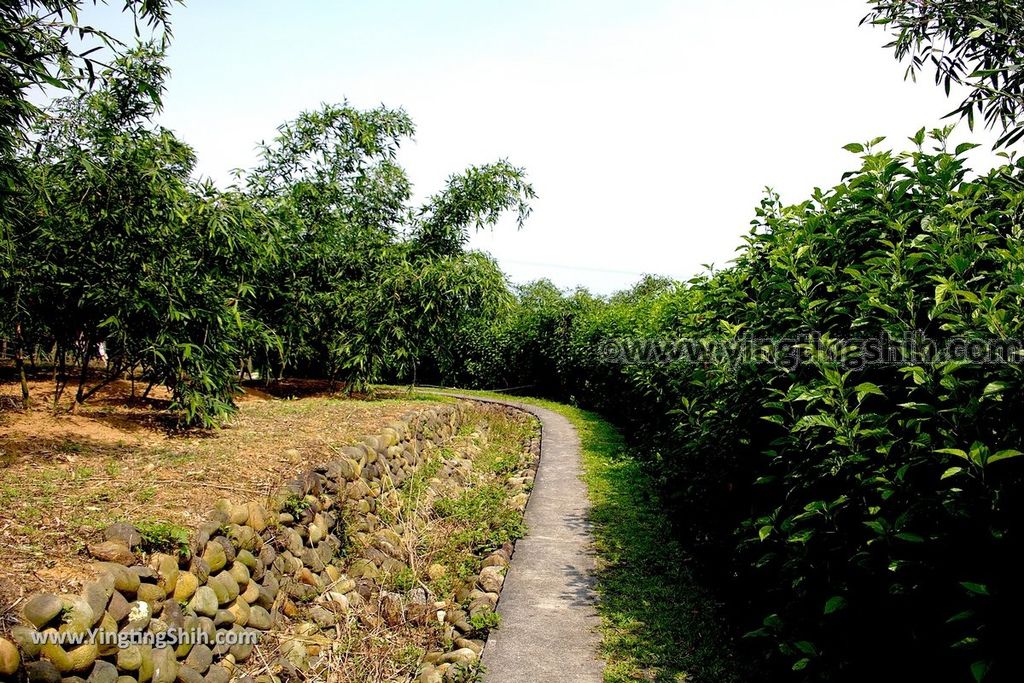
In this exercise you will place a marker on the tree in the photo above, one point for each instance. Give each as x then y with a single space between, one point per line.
974 43
116 244
37 37
36 52
331 180
475 198
367 283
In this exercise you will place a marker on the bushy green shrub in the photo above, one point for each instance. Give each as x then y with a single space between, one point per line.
866 514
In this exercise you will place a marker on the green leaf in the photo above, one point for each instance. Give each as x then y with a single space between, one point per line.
854 147
954 451
801 536
875 526
917 372
55 82
1003 455
909 537
834 604
952 471
995 388
960 616
867 389
764 532
978 588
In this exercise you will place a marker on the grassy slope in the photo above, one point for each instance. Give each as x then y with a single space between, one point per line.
658 623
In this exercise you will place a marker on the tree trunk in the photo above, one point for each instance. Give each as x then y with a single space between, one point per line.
84 375
59 374
19 364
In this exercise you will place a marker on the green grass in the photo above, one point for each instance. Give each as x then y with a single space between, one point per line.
163 537
486 520
415 487
504 453
472 520
400 581
658 623
147 494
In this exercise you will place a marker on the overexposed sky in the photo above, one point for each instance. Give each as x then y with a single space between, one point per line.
649 128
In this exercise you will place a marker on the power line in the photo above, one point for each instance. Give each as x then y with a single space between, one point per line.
584 268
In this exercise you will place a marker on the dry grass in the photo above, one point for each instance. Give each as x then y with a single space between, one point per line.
436 524
355 651
64 477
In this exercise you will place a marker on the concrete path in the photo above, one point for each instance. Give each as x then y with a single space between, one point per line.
549 620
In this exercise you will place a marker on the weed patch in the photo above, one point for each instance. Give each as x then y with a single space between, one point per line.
163 537
658 622
486 520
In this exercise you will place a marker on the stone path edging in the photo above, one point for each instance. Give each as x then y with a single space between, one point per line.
549 620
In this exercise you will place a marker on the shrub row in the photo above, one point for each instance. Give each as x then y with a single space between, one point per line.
857 493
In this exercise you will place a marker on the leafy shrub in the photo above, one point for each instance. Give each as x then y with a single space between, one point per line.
296 506
483 621
856 511
164 537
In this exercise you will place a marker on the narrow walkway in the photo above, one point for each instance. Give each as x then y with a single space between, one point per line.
549 620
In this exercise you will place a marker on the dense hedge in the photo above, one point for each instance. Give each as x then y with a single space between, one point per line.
866 514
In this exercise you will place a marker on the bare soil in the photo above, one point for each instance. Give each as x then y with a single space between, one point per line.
65 476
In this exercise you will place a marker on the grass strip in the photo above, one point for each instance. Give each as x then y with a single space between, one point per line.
658 623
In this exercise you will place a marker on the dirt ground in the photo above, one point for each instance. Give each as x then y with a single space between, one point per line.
64 477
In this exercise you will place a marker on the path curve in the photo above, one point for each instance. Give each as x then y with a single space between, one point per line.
549 620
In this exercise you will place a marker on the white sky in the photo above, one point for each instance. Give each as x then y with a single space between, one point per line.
649 128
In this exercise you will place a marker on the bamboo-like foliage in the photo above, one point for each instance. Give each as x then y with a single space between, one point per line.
315 265
366 282
978 44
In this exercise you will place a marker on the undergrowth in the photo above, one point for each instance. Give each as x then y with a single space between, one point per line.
658 623
163 537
